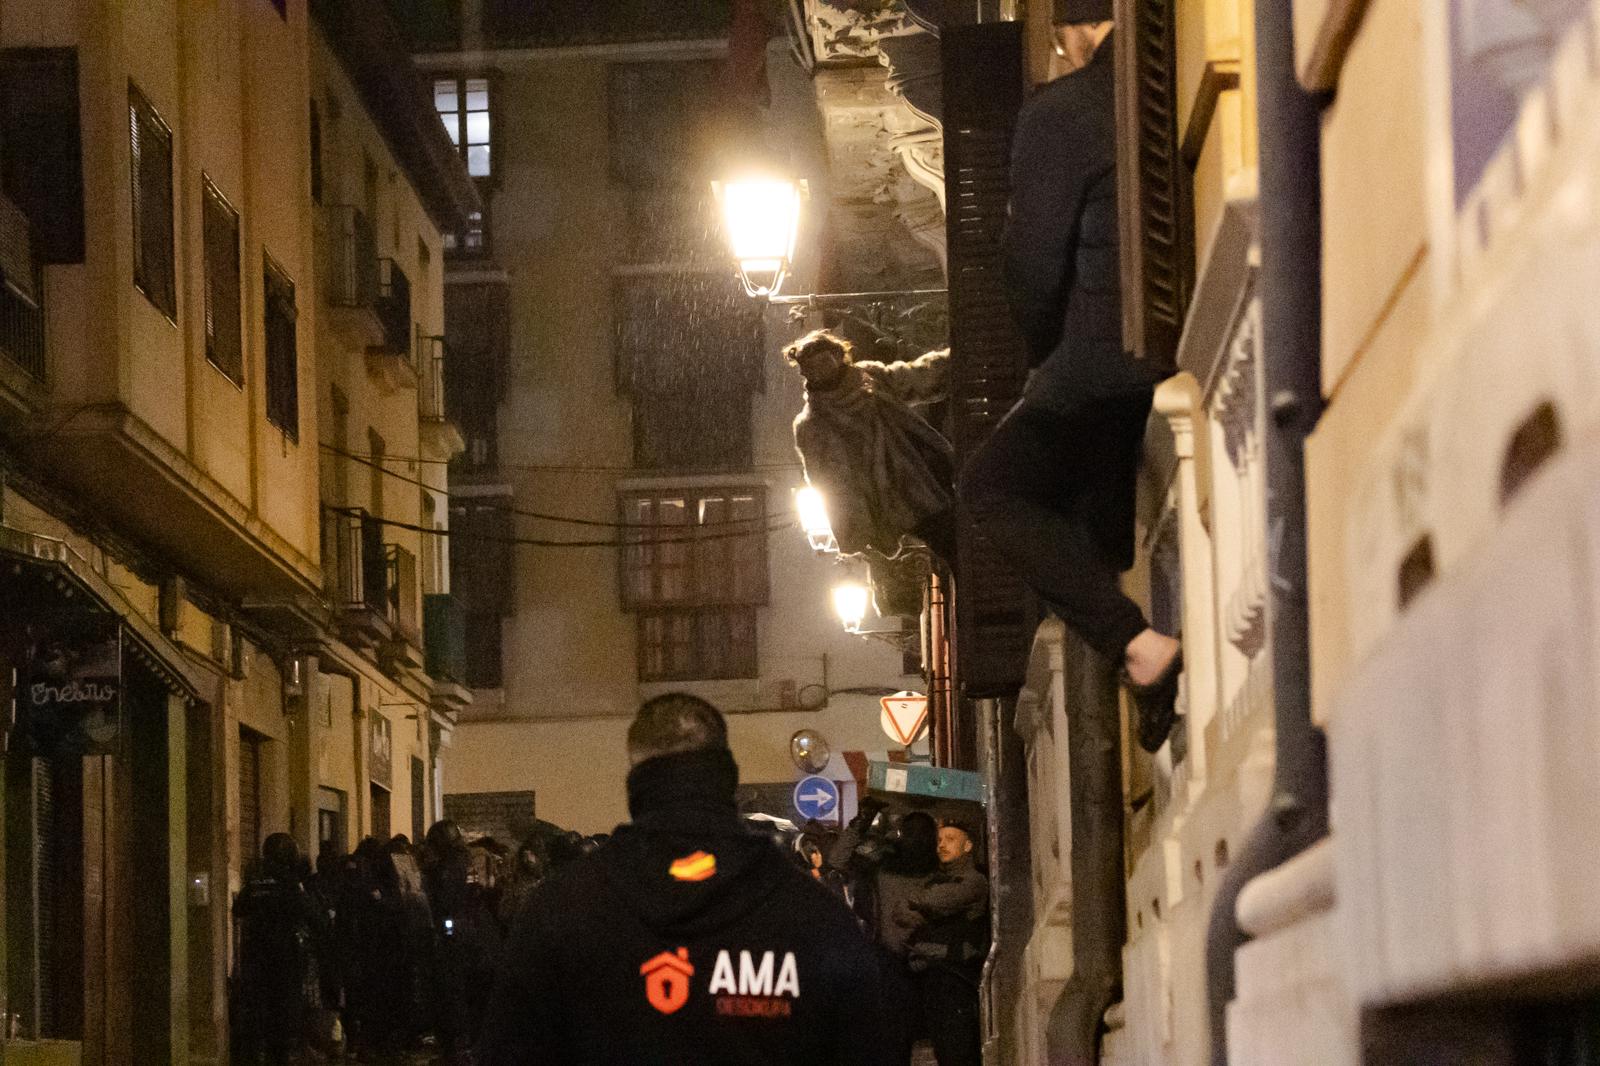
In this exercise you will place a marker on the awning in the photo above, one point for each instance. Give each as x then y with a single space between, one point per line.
46 575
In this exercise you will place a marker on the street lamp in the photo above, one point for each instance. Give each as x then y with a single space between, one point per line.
762 217
761 214
814 519
850 604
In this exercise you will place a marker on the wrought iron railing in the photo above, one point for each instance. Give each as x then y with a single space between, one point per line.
394 307
360 568
430 372
21 285
353 259
401 592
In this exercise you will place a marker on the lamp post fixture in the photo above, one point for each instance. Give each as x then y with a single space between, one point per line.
761 214
814 520
850 602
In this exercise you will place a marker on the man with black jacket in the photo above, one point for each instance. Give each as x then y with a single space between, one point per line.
1053 487
685 938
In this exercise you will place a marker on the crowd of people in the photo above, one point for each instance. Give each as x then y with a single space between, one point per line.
384 951
394 950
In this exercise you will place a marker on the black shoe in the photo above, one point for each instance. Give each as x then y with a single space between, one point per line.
1156 704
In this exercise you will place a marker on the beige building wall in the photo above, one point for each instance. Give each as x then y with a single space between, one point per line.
571 677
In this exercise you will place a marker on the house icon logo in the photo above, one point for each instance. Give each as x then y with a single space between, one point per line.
666 980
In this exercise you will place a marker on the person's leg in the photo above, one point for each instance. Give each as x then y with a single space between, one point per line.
950 1003
1022 490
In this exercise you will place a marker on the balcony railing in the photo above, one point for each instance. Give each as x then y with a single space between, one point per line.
21 313
430 371
394 307
360 568
445 639
401 592
354 259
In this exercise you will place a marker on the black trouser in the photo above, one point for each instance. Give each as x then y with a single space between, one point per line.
1053 492
950 1007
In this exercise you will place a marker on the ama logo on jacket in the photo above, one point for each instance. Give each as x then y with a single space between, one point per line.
666 980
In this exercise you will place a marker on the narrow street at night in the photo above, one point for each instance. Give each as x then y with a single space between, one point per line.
799 532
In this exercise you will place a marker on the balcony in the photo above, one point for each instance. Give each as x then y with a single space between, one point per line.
358 576
353 277
444 626
402 600
393 360
21 303
440 434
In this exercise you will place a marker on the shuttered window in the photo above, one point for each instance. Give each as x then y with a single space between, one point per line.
220 224
283 362
701 548
41 148
1155 194
151 168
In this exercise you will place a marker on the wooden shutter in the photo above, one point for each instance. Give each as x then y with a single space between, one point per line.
283 364
41 147
150 142
1154 186
220 236
983 92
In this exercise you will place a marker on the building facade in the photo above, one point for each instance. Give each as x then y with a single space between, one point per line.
193 658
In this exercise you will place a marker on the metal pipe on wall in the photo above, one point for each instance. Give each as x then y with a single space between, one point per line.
1291 318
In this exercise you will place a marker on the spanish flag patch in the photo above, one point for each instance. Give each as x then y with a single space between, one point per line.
696 866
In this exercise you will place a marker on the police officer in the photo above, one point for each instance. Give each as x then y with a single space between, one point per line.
684 938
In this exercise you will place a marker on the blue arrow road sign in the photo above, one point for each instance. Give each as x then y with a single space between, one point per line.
816 797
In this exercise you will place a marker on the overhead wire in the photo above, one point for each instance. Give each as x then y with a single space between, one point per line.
524 512
536 542
554 468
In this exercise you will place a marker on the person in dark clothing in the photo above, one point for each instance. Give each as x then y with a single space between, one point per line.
1053 486
883 470
888 868
949 917
277 975
466 939
373 943
685 938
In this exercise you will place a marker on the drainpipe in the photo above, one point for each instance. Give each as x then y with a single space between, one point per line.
1291 316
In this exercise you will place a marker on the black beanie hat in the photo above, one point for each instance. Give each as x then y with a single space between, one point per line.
1083 11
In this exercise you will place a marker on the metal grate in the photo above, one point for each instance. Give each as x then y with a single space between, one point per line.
983 91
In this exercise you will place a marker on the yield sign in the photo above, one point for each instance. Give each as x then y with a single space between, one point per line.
905 714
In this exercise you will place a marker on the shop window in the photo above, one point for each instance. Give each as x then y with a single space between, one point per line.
151 168
220 226
283 362
463 106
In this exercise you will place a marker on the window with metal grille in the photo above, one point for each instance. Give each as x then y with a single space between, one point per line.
151 168
220 235
283 361
1155 186
463 106
249 829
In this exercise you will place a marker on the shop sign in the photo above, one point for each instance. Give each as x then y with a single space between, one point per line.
69 700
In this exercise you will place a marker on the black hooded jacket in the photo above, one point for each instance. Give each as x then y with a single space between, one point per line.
684 940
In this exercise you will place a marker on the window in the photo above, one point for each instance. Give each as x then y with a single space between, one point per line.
220 225
41 164
482 580
695 571
151 168
702 645
463 105
283 364
377 452
316 152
